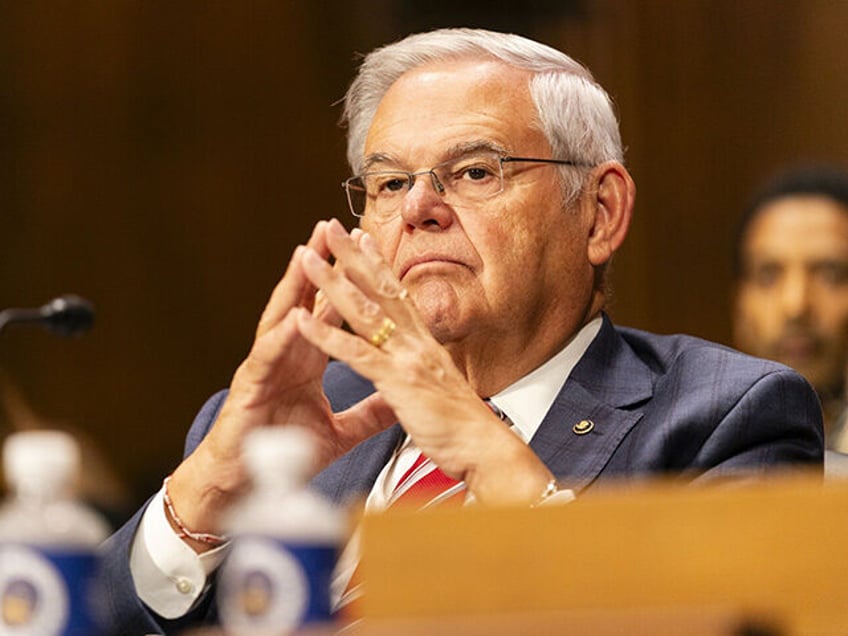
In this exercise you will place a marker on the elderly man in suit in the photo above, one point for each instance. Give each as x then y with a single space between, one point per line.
491 195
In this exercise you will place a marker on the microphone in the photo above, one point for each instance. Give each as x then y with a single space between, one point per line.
67 315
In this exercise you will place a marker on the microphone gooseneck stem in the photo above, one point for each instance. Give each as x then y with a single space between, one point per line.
66 315
11 316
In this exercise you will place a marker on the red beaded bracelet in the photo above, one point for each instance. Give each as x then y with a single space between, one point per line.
202 537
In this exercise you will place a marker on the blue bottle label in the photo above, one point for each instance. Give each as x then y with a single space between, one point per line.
272 586
47 591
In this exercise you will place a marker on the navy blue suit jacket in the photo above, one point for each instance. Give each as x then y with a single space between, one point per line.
672 405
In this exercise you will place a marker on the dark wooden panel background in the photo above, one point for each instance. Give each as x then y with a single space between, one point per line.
163 159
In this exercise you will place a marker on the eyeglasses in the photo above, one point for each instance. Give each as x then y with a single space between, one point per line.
464 181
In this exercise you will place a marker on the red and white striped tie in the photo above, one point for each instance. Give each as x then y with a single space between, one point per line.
423 485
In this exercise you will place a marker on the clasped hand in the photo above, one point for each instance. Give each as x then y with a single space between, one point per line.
418 385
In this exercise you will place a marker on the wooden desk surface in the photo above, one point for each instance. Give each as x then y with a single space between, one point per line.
710 556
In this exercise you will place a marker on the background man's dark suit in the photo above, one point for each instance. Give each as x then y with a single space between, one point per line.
659 404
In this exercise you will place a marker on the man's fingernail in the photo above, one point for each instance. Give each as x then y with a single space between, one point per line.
369 245
310 256
337 228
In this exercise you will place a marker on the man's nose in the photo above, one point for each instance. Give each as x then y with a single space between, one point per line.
424 205
795 295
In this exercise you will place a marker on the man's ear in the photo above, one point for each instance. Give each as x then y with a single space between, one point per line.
611 197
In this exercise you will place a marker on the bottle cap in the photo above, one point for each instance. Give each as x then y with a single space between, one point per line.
273 453
40 461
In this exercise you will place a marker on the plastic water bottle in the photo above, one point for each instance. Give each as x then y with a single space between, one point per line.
48 541
286 539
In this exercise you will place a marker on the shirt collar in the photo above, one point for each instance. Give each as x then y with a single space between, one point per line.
527 401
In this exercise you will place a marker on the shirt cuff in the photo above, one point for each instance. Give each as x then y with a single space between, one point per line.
560 497
168 575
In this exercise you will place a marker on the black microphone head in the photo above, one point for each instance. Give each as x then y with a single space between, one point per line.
68 315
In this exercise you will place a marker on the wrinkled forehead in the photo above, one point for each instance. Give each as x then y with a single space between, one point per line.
445 105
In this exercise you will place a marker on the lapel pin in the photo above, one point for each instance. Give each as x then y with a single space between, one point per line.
582 427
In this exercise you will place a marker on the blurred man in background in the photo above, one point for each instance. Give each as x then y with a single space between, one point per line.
791 294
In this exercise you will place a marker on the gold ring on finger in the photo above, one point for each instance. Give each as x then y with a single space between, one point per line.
379 337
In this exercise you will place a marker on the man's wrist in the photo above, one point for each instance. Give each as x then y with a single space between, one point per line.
193 509
198 541
509 473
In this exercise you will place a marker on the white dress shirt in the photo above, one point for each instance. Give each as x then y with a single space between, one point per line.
170 577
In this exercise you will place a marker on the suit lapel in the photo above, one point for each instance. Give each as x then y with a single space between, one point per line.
355 473
606 387
604 390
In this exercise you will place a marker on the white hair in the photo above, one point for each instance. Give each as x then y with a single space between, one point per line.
574 112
